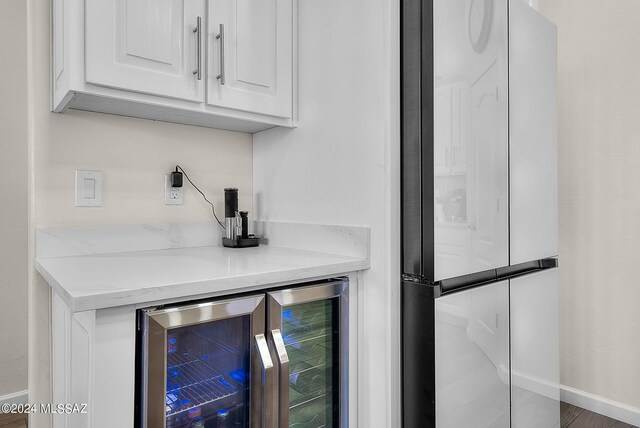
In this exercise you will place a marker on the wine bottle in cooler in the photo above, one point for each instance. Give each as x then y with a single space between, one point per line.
223 419
308 380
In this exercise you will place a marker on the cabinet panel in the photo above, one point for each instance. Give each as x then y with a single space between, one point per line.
257 30
533 135
145 46
535 378
472 358
61 357
250 51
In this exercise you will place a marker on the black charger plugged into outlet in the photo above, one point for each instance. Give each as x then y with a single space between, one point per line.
176 178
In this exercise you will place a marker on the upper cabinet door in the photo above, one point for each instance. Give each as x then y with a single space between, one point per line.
470 58
533 129
250 54
146 46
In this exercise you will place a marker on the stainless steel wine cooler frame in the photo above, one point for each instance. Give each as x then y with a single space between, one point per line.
275 302
269 400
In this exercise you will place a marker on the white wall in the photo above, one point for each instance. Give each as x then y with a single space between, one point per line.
599 182
341 166
134 155
13 198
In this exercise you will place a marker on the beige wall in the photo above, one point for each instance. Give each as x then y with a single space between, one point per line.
599 191
13 198
134 155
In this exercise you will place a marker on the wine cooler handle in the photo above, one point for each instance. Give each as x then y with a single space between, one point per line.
283 378
269 410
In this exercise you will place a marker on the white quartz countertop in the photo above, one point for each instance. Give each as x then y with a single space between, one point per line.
98 281
98 267
109 266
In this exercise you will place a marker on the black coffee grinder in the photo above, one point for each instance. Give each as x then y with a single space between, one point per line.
236 223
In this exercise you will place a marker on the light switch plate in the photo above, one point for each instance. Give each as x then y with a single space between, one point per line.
172 195
88 188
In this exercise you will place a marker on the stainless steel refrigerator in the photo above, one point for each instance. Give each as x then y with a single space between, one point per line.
479 215
273 359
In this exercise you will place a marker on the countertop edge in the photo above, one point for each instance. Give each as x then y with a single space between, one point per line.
202 289
240 284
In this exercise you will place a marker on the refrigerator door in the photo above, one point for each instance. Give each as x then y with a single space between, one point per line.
454 137
208 360
535 391
472 358
533 134
308 327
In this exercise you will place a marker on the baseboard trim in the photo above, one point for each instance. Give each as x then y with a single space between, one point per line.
597 404
539 386
20 397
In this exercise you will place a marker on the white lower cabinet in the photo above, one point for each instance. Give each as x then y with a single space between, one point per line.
221 64
535 391
93 360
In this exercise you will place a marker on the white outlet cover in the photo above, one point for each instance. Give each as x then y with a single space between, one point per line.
172 195
88 188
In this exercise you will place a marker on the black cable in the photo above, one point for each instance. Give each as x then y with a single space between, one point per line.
213 210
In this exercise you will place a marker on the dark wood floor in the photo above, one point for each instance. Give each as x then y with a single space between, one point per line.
576 417
570 416
13 420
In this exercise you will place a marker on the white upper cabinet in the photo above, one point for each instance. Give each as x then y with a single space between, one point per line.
145 46
250 55
218 63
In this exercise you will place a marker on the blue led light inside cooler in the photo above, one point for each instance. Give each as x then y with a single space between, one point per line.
224 382
239 375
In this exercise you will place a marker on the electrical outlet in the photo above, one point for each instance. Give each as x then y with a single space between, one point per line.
172 195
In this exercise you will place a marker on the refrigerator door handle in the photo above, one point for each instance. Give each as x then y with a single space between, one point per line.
269 409
283 378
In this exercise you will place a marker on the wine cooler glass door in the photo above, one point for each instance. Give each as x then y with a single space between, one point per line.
200 360
308 330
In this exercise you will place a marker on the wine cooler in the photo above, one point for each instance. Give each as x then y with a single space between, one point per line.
266 360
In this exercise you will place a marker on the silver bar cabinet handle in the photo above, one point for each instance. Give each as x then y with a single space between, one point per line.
220 36
283 378
198 30
269 413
